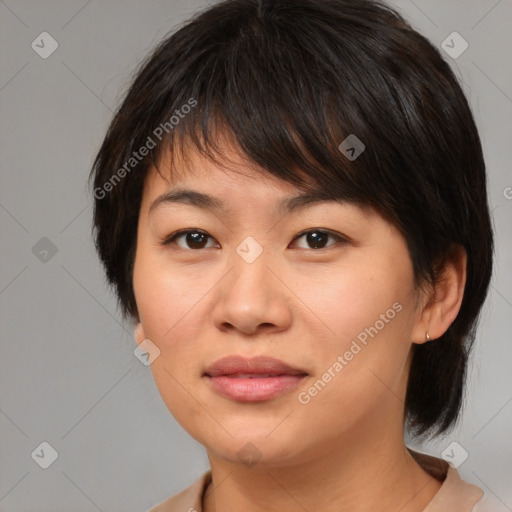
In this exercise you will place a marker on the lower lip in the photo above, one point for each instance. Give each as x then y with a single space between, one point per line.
254 390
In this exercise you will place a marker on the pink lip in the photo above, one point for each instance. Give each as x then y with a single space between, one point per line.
262 378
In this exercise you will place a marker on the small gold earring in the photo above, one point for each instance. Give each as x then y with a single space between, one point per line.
427 336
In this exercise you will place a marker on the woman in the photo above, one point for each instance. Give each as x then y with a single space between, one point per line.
291 205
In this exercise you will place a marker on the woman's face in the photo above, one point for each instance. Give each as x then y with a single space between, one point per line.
336 304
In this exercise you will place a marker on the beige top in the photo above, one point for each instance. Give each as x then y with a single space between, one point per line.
454 495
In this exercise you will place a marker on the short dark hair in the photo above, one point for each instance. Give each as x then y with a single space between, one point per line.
291 80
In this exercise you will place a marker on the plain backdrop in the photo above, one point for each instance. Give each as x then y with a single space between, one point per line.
68 375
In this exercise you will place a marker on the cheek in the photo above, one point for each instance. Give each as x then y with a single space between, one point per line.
166 300
359 299
361 364
166 303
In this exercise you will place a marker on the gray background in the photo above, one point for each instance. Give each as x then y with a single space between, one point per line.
68 375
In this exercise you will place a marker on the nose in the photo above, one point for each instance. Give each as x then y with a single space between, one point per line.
252 300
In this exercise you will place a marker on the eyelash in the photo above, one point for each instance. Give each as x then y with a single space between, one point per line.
338 238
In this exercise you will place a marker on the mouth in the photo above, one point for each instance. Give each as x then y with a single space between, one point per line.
252 380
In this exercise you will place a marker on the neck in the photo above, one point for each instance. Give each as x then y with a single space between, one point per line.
354 475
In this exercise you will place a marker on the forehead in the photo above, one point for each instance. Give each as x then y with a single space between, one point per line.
187 158
231 182
227 178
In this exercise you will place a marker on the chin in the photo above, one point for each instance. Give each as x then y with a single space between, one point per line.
255 448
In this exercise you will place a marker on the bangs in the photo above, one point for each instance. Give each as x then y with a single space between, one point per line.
285 101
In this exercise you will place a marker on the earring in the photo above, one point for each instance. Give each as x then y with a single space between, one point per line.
427 336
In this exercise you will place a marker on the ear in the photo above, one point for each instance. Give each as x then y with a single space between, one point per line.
138 334
442 303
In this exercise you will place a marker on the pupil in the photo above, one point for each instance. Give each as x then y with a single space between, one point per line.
316 239
196 239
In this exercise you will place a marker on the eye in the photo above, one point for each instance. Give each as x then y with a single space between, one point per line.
317 238
196 239
193 238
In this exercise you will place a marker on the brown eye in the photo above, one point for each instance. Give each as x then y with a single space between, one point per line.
193 239
317 239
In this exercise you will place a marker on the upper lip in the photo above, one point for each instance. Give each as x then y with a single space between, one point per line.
232 365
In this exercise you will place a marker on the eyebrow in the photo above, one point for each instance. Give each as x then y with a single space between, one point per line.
210 203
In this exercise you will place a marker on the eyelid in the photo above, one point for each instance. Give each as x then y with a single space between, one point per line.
338 236
169 239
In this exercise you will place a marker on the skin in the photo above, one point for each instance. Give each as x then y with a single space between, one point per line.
344 450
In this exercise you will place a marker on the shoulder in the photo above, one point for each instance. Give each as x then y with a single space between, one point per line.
455 494
488 504
188 500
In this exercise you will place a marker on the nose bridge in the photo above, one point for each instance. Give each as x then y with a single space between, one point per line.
250 295
250 273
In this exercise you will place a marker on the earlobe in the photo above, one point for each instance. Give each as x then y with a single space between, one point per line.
445 300
138 334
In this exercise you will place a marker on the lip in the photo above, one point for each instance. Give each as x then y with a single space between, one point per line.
253 380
